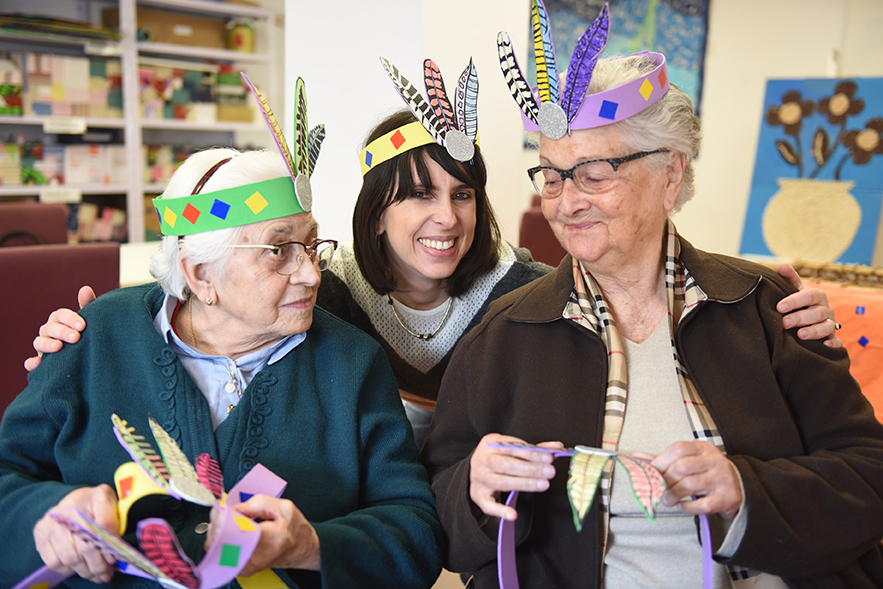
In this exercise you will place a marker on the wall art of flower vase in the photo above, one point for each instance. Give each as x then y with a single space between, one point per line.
817 188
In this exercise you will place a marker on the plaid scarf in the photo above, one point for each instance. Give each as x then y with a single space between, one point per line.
587 308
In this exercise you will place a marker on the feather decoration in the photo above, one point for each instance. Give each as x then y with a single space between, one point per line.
210 474
518 86
820 147
438 96
142 452
467 101
315 139
582 483
161 546
544 48
301 128
415 102
100 538
278 137
585 56
175 460
647 483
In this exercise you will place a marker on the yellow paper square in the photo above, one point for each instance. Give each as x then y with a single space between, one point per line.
646 89
245 524
257 203
170 217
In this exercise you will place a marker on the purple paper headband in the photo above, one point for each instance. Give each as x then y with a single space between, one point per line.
557 111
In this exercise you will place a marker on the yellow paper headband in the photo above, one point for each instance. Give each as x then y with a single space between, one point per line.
397 141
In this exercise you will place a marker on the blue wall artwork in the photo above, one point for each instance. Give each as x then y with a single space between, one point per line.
818 181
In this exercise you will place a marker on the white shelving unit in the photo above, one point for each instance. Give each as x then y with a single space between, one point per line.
131 52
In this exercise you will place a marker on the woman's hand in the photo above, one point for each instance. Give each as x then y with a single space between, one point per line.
808 309
63 326
492 470
699 469
65 553
288 540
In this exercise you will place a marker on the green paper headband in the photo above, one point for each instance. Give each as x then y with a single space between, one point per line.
230 207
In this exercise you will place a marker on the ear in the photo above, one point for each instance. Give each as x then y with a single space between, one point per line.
198 281
674 177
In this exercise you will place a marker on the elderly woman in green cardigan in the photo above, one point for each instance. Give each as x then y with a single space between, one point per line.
228 353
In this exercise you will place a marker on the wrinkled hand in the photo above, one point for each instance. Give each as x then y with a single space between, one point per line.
492 470
699 469
288 540
63 552
812 311
63 325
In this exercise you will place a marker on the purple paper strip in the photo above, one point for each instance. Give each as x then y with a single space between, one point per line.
41 575
507 569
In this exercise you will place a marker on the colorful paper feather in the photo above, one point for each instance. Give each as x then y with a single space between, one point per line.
518 86
438 96
316 137
467 101
301 129
142 452
175 460
647 483
160 545
278 137
544 48
582 483
415 102
582 63
210 474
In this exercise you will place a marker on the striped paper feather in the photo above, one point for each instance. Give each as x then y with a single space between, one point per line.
160 545
142 452
301 129
175 460
316 137
647 483
210 475
544 48
582 483
585 56
278 137
438 96
518 86
467 101
415 102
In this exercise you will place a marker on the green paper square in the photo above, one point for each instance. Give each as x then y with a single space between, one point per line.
229 555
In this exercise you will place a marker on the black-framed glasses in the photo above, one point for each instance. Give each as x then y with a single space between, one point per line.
593 176
286 257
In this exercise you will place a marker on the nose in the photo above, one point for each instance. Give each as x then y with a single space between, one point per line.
306 275
572 200
443 213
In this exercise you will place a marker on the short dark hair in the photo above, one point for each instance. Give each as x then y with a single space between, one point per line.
377 195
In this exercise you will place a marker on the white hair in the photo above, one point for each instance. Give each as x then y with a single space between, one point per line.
210 247
667 124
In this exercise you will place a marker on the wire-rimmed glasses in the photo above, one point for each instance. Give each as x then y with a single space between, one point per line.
593 176
286 257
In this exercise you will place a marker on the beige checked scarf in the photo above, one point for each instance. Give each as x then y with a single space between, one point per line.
588 308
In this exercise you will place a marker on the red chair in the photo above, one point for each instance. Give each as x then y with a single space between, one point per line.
30 223
537 236
38 279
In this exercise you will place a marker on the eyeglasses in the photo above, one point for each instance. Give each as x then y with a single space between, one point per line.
286 258
593 176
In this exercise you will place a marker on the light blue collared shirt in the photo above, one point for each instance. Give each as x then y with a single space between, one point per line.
219 377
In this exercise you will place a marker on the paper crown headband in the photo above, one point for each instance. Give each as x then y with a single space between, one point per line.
258 201
454 126
555 110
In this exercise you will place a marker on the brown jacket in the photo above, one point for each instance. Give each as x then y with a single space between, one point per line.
793 420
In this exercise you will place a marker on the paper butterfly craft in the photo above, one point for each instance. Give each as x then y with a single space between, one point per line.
306 144
586 468
170 472
453 125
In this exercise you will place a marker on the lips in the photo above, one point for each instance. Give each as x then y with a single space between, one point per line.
437 244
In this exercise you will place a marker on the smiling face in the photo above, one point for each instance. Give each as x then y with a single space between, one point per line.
615 228
260 306
428 233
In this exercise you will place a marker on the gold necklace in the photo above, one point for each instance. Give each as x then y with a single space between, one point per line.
231 386
190 313
423 336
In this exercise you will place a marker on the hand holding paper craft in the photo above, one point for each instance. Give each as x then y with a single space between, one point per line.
234 538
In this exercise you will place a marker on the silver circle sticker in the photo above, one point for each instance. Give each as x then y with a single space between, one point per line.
192 491
304 192
459 146
552 120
